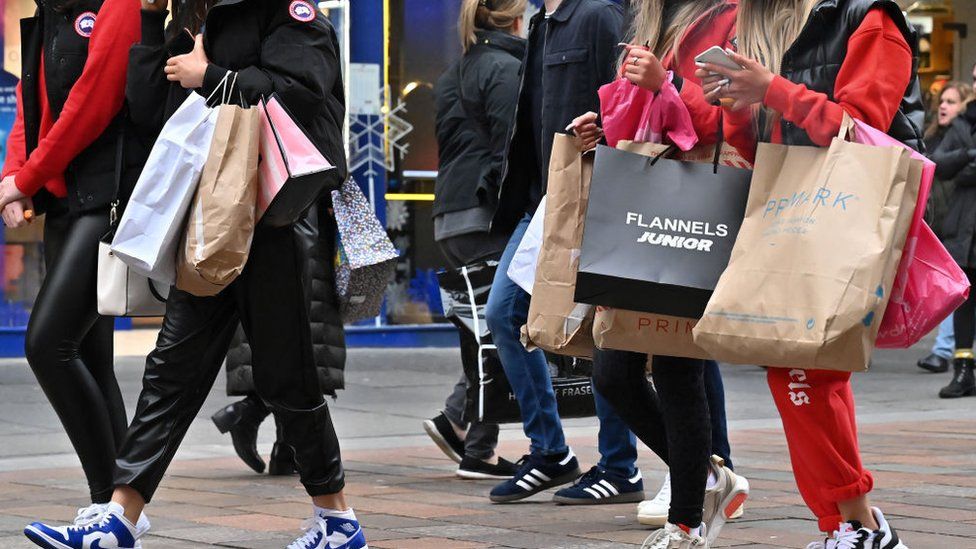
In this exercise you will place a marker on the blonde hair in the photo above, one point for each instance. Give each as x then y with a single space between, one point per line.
766 30
965 92
487 15
648 20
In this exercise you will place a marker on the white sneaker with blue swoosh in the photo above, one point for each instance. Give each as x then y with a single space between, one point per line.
330 532
110 530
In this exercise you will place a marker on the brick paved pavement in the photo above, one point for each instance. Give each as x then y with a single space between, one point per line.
921 450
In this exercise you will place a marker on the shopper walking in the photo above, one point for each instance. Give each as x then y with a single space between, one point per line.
476 99
570 54
700 493
65 161
952 101
955 159
314 236
821 59
282 47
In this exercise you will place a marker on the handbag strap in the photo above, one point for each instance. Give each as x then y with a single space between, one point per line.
113 213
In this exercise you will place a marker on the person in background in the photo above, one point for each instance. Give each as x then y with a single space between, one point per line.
804 64
955 158
260 40
673 417
476 99
952 101
69 158
571 52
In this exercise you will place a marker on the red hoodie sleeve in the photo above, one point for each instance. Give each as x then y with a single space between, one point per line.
16 141
869 87
95 99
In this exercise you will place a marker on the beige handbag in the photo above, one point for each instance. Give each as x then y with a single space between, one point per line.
122 291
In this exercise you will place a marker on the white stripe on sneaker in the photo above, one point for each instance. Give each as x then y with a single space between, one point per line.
524 485
539 475
610 487
592 492
601 489
532 479
569 457
636 478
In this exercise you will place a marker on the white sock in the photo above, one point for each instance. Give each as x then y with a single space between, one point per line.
696 531
324 512
712 479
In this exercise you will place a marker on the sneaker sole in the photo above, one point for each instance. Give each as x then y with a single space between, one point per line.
41 539
732 502
476 475
565 479
631 497
657 521
441 442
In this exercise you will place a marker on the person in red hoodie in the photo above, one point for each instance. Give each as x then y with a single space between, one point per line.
65 159
821 59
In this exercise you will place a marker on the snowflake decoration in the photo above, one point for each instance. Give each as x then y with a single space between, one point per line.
397 215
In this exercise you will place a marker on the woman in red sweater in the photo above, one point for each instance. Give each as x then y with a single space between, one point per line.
63 160
821 59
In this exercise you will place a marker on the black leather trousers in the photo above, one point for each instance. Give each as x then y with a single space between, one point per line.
69 346
268 299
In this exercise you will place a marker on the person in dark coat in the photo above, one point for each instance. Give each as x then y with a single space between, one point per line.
952 101
956 161
476 98
315 235
283 47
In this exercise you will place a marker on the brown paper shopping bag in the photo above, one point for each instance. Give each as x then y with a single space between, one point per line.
812 269
220 225
557 324
648 333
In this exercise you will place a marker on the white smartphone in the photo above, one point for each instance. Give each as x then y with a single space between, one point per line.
717 56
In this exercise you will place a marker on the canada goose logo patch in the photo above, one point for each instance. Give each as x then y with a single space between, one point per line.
85 24
302 10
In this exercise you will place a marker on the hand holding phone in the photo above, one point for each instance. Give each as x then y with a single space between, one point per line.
717 56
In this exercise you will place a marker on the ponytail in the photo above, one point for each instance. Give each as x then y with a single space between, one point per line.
487 15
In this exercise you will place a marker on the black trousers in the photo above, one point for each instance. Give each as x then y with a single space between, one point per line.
69 346
268 299
672 421
964 319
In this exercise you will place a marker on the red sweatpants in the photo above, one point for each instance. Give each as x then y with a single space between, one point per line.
817 409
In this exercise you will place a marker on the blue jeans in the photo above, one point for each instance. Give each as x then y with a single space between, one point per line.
715 393
945 341
528 372
617 445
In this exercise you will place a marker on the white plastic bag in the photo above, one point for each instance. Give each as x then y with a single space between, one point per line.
152 226
522 268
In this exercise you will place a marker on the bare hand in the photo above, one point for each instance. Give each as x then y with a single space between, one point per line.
9 191
587 133
14 213
158 5
644 69
744 87
189 69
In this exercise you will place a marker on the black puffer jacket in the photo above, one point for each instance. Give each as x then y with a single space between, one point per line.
328 338
476 98
954 162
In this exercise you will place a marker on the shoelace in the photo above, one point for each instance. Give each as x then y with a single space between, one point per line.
89 515
852 539
589 477
312 527
663 542
94 524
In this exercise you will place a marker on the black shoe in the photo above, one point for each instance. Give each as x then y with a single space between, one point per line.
963 382
475 469
282 462
934 363
441 431
242 419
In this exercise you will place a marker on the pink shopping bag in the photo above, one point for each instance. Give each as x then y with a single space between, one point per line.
631 113
929 284
293 174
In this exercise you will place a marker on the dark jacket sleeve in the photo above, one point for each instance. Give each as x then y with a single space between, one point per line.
606 35
500 92
951 157
299 62
146 86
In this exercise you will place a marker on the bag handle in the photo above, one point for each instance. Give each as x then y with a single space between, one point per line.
720 137
155 293
847 128
113 212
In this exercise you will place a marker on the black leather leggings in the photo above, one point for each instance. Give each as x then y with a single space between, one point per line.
672 421
69 346
269 301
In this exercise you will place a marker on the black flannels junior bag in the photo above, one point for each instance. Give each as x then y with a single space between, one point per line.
658 232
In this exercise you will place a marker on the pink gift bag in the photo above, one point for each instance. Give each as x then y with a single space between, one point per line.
631 113
929 284
292 174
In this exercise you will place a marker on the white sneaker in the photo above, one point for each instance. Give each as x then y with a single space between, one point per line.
673 537
314 536
722 500
851 535
654 512
93 513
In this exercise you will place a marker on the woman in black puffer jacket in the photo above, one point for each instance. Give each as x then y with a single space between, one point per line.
956 161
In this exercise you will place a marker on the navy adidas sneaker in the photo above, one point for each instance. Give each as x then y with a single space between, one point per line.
111 531
535 474
598 486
